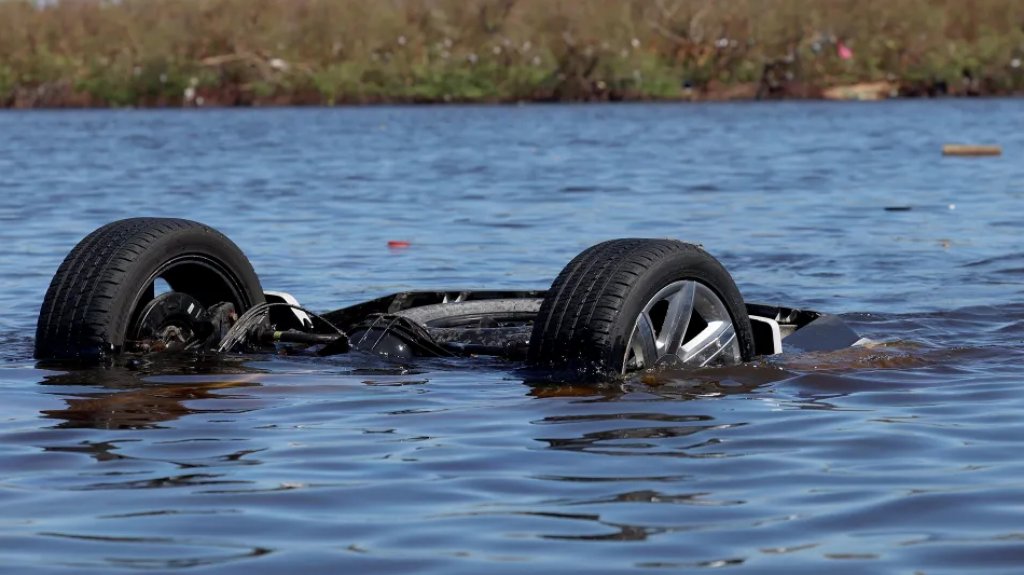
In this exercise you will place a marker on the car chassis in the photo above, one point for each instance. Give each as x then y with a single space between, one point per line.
620 306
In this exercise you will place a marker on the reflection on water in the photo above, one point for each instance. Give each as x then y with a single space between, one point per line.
130 398
137 409
894 457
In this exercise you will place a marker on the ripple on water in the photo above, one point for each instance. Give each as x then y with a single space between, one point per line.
898 456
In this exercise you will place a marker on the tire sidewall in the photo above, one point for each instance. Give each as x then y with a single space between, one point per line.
428 315
203 243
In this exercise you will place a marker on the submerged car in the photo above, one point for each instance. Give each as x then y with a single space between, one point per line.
621 306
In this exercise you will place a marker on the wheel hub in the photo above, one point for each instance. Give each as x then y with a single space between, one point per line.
171 321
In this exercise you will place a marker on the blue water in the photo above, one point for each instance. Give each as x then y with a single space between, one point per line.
899 458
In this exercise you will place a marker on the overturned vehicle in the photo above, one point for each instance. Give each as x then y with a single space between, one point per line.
151 285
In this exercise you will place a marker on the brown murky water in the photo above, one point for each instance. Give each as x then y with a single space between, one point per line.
897 458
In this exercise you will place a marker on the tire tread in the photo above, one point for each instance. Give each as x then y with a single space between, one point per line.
574 325
78 306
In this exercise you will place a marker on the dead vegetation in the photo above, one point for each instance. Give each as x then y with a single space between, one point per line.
258 52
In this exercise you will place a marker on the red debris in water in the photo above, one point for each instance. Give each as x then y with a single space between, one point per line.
398 244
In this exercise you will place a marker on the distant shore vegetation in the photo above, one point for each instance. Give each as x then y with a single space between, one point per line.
86 53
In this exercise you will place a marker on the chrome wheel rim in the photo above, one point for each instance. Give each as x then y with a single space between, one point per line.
686 324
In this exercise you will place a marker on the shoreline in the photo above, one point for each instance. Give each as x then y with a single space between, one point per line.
229 99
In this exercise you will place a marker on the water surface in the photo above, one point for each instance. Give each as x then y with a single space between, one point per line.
900 458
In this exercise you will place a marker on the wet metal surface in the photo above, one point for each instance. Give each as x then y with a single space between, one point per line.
898 458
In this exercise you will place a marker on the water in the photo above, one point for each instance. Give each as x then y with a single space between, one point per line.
897 459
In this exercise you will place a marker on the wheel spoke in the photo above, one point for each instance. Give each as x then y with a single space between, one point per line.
709 344
643 343
677 318
688 305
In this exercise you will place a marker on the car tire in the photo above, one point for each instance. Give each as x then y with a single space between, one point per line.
623 300
473 313
107 279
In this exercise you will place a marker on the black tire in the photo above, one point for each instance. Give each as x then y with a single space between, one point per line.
587 319
108 277
487 327
472 313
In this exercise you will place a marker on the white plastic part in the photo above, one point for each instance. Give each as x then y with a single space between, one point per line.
776 332
285 297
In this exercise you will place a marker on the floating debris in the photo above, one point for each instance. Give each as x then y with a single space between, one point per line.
970 150
866 91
